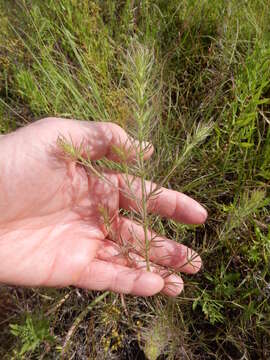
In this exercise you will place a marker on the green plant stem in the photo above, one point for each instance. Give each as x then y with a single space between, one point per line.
144 209
79 319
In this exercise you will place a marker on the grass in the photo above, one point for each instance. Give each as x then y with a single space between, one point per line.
209 104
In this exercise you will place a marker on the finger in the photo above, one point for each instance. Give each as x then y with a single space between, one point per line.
111 252
99 139
168 203
121 146
174 285
162 251
102 275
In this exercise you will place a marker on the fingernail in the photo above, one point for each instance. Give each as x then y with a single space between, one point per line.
145 145
202 213
174 285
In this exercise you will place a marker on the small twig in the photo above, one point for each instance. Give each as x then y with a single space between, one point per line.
122 296
60 303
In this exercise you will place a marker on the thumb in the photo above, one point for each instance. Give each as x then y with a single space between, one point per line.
97 139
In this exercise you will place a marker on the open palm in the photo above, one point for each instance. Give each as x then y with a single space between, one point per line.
52 215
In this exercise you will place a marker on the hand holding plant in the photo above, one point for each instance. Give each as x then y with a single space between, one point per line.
55 211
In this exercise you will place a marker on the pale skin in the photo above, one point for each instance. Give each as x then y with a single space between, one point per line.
52 232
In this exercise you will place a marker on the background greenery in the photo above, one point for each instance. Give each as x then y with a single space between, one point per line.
212 66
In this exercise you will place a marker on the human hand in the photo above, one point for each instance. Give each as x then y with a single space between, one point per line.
52 232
